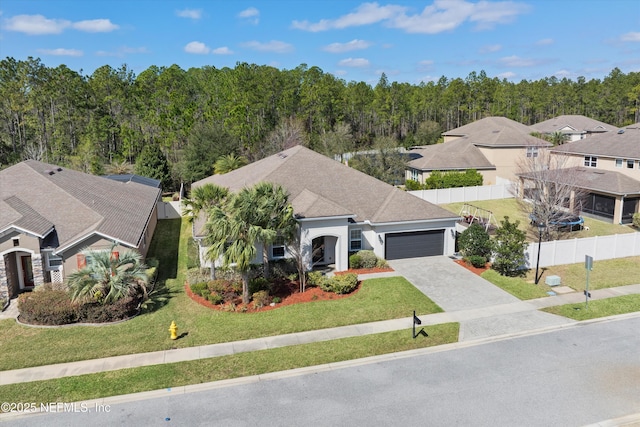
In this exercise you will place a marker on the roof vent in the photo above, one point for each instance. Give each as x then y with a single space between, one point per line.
59 169
282 155
49 172
496 131
620 131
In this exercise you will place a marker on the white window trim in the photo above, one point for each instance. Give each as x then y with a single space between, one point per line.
619 163
532 152
49 256
590 161
631 164
352 240
278 245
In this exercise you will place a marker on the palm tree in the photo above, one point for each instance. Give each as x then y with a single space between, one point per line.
274 216
228 163
203 199
231 234
109 276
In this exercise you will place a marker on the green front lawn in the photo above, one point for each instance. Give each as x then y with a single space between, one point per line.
605 274
511 208
103 384
378 299
597 308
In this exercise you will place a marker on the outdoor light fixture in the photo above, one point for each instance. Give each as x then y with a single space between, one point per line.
541 228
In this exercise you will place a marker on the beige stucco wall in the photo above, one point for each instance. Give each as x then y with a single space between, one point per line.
26 241
506 161
609 164
96 243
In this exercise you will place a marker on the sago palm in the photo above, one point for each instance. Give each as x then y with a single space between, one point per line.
108 277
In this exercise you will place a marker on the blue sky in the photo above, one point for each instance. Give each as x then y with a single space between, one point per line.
409 40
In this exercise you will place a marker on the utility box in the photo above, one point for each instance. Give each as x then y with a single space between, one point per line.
552 280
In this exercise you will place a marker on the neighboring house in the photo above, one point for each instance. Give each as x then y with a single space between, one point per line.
607 166
458 155
502 142
49 215
342 210
574 127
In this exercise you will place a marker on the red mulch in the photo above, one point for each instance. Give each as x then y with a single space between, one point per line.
471 268
365 270
289 293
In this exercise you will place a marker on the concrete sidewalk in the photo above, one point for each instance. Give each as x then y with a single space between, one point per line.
489 321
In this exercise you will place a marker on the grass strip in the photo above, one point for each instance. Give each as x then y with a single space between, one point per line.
134 380
597 308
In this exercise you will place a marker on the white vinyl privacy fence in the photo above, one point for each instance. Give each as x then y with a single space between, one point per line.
559 252
465 194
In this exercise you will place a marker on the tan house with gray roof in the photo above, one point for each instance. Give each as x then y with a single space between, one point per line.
609 167
493 145
50 215
342 210
574 127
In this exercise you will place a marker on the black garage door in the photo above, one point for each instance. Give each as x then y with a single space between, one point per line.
414 244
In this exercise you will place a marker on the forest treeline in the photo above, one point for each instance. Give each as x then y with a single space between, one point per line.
196 116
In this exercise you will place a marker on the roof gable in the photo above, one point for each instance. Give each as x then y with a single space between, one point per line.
571 122
624 144
321 187
497 132
453 155
77 204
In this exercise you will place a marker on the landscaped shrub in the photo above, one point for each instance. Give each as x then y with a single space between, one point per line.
343 283
197 288
316 278
368 259
476 260
355 261
261 298
121 309
259 284
215 298
47 307
636 220
411 185
382 263
475 241
509 249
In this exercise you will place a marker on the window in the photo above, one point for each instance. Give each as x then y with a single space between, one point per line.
53 260
532 151
630 164
16 241
277 248
590 161
355 239
618 163
414 175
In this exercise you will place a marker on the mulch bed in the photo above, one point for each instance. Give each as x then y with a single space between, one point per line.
473 269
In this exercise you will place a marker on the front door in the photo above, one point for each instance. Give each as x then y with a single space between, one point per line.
27 271
317 248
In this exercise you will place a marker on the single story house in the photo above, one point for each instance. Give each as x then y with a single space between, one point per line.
50 215
342 210
574 127
501 141
457 155
607 166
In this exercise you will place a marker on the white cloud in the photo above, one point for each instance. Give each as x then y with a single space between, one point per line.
516 61
61 52
442 15
544 42
272 46
190 13
340 72
630 37
251 14
222 51
39 25
563 73
490 48
197 48
507 75
347 47
354 62
95 26
36 24
122 51
426 65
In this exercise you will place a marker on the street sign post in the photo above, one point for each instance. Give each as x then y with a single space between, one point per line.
588 265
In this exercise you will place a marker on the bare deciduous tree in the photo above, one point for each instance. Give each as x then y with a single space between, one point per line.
550 190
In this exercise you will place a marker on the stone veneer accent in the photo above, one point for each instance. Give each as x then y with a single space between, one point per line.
38 270
4 282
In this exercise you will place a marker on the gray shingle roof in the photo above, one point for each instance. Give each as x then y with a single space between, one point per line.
497 132
623 144
453 155
77 204
321 187
577 122
603 181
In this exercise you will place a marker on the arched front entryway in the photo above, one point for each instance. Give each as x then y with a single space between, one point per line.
20 271
323 251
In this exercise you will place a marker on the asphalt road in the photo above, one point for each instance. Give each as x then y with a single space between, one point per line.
568 377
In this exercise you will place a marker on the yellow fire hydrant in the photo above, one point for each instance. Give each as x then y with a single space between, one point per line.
174 330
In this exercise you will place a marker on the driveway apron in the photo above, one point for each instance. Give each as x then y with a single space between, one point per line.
450 285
